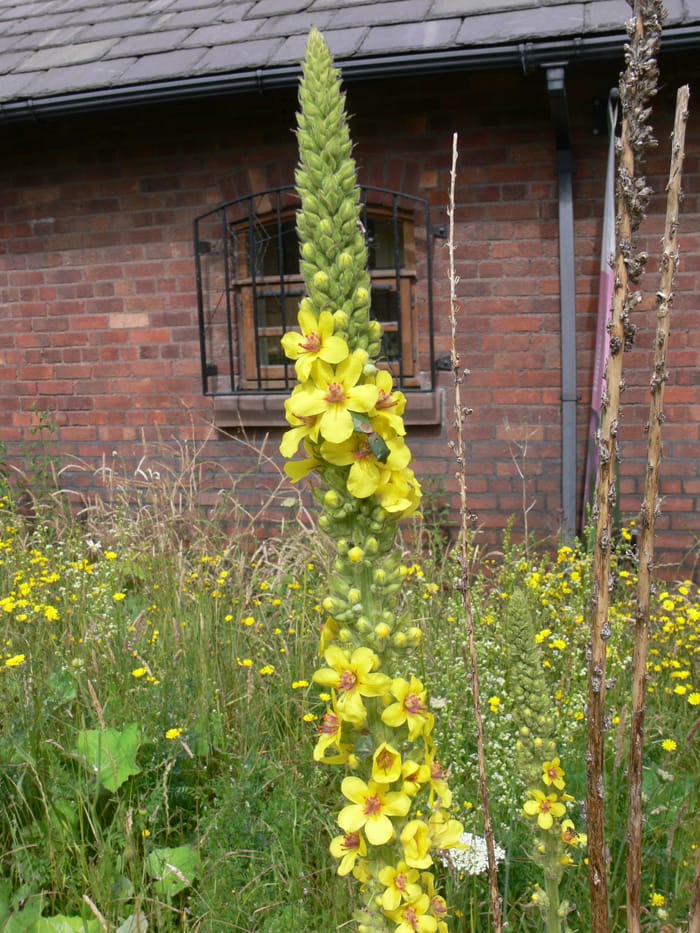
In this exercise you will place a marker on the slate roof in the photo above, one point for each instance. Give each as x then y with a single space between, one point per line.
58 53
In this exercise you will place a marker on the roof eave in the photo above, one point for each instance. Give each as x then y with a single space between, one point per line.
526 56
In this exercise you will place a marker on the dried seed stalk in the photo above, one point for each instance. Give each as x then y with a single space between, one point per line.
637 86
664 299
469 651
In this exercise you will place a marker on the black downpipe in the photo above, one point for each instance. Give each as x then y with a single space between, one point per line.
556 86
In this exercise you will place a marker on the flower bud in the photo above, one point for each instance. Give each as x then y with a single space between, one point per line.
308 251
320 280
356 554
345 261
354 595
331 499
382 630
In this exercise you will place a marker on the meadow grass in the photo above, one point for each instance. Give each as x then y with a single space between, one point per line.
156 745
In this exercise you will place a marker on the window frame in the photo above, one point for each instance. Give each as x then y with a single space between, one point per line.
239 327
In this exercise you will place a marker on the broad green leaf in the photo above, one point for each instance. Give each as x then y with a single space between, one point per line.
110 754
66 925
173 869
136 923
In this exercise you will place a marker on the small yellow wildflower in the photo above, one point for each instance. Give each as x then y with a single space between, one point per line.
118 597
246 662
657 900
267 670
110 555
173 733
139 672
309 717
694 698
669 745
299 684
248 621
15 660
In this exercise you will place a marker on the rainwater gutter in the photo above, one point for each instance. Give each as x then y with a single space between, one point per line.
525 56
556 87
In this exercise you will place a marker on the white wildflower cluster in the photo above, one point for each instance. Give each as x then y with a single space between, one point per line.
472 859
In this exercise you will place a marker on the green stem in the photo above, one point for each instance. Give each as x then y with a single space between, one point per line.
553 918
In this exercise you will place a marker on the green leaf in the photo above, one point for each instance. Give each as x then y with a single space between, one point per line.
173 869
110 754
136 923
66 925
361 422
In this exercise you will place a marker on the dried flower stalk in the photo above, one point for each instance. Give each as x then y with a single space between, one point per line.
469 651
664 299
637 86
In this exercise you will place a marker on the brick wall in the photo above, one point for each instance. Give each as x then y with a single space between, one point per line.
98 292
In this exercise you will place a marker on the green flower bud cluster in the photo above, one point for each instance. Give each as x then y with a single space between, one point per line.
333 248
528 692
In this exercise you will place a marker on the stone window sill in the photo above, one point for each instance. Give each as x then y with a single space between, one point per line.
267 411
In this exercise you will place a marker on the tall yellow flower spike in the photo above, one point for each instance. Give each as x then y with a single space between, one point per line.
347 418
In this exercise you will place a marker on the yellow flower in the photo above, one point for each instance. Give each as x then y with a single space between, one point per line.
414 917
570 837
400 885
444 832
410 708
139 672
348 849
118 597
371 809
173 733
299 684
316 342
694 698
366 472
352 678
553 774
657 900
267 671
415 841
669 745
385 417
15 660
334 394
386 764
546 807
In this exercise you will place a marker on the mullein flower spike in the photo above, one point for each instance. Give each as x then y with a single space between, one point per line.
546 801
347 420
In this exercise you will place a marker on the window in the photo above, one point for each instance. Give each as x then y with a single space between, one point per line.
249 287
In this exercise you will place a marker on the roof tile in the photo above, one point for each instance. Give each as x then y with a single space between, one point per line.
61 56
253 54
149 42
294 25
342 42
174 63
421 35
278 7
533 23
223 33
376 14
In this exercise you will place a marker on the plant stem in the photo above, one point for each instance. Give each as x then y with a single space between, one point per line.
469 653
669 263
551 886
637 85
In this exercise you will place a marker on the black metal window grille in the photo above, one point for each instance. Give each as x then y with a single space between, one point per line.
249 287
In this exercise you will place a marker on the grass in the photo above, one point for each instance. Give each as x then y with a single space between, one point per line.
156 745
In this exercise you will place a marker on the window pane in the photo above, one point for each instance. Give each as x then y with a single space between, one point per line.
275 253
382 252
271 352
385 305
269 310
